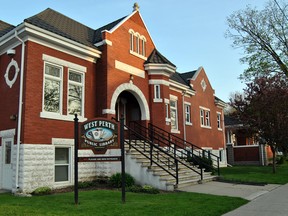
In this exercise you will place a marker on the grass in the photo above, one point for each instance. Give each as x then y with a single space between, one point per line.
108 202
256 174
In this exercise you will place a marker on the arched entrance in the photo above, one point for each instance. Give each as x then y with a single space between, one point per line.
128 106
133 97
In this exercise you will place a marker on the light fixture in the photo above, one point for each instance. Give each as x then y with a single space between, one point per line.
131 77
13 117
11 52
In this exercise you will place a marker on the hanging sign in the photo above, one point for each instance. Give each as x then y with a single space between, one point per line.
99 134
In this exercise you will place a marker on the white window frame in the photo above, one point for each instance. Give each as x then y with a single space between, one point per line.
70 65
187 109
205 117
82 84
167 119
69 165
136 43
60 79
157 94
174 109
219 125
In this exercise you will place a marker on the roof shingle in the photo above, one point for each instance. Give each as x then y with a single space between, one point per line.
5 28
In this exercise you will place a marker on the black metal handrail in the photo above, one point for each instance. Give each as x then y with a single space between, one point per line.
156 157
178 146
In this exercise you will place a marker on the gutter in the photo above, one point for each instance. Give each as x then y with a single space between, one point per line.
19 109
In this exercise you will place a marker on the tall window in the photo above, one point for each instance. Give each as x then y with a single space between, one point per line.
157 92
173 115
187 113
219 121
75 93
52 88
62 164
137 44
143 47
131 40
205 117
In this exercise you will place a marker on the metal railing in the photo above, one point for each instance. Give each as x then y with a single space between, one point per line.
156 154
179 147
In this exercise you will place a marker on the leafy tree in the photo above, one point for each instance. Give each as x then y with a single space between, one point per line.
264 109
263 34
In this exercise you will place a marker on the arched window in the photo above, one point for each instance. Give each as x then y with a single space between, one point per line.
131 33
143 51
137 44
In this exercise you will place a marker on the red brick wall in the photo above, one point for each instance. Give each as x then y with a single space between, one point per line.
40 130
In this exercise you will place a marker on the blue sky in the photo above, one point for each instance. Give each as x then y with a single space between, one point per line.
190 33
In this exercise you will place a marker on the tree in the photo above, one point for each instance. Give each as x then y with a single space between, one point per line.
264 109
263 34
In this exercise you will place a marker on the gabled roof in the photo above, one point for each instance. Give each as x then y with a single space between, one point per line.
178 78
60 24
187 76
5 28
108 27
157 58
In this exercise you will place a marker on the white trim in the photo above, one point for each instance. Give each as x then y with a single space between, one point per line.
138 55
108 111
167 101
103 42
62 141
14 64
129 69
158 81
57 116
157 100
64 63
173 97
137 93
7 133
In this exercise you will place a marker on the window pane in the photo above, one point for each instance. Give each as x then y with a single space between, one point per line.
52 96
61 173
76 77
8 152
52 70
61 156
75 100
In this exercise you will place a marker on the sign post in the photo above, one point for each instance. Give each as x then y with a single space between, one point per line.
122 159
98 135
76 143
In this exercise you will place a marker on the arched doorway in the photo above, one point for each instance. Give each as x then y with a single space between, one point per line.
128 106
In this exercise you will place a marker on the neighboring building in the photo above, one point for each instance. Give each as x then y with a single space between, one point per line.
242 147
52 67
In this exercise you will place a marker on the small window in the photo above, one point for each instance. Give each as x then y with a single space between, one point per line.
219 121
137 44
157 94
174 115
75 93
52 88
62 164
205 117
187 113
167 111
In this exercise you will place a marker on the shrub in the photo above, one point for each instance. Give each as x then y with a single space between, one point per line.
203 162
42 191
116 180
145 189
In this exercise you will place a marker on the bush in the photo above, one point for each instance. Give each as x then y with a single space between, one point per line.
116 180
42 191
202 162
145 189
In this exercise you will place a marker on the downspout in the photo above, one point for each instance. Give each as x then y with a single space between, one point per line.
184 119
19 110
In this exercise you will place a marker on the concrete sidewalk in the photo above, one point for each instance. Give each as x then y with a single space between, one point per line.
265 200
248 192
273 203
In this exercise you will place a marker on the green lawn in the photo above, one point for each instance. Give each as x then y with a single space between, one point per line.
256 174
108 202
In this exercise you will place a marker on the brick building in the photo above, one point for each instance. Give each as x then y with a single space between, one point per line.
52 67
